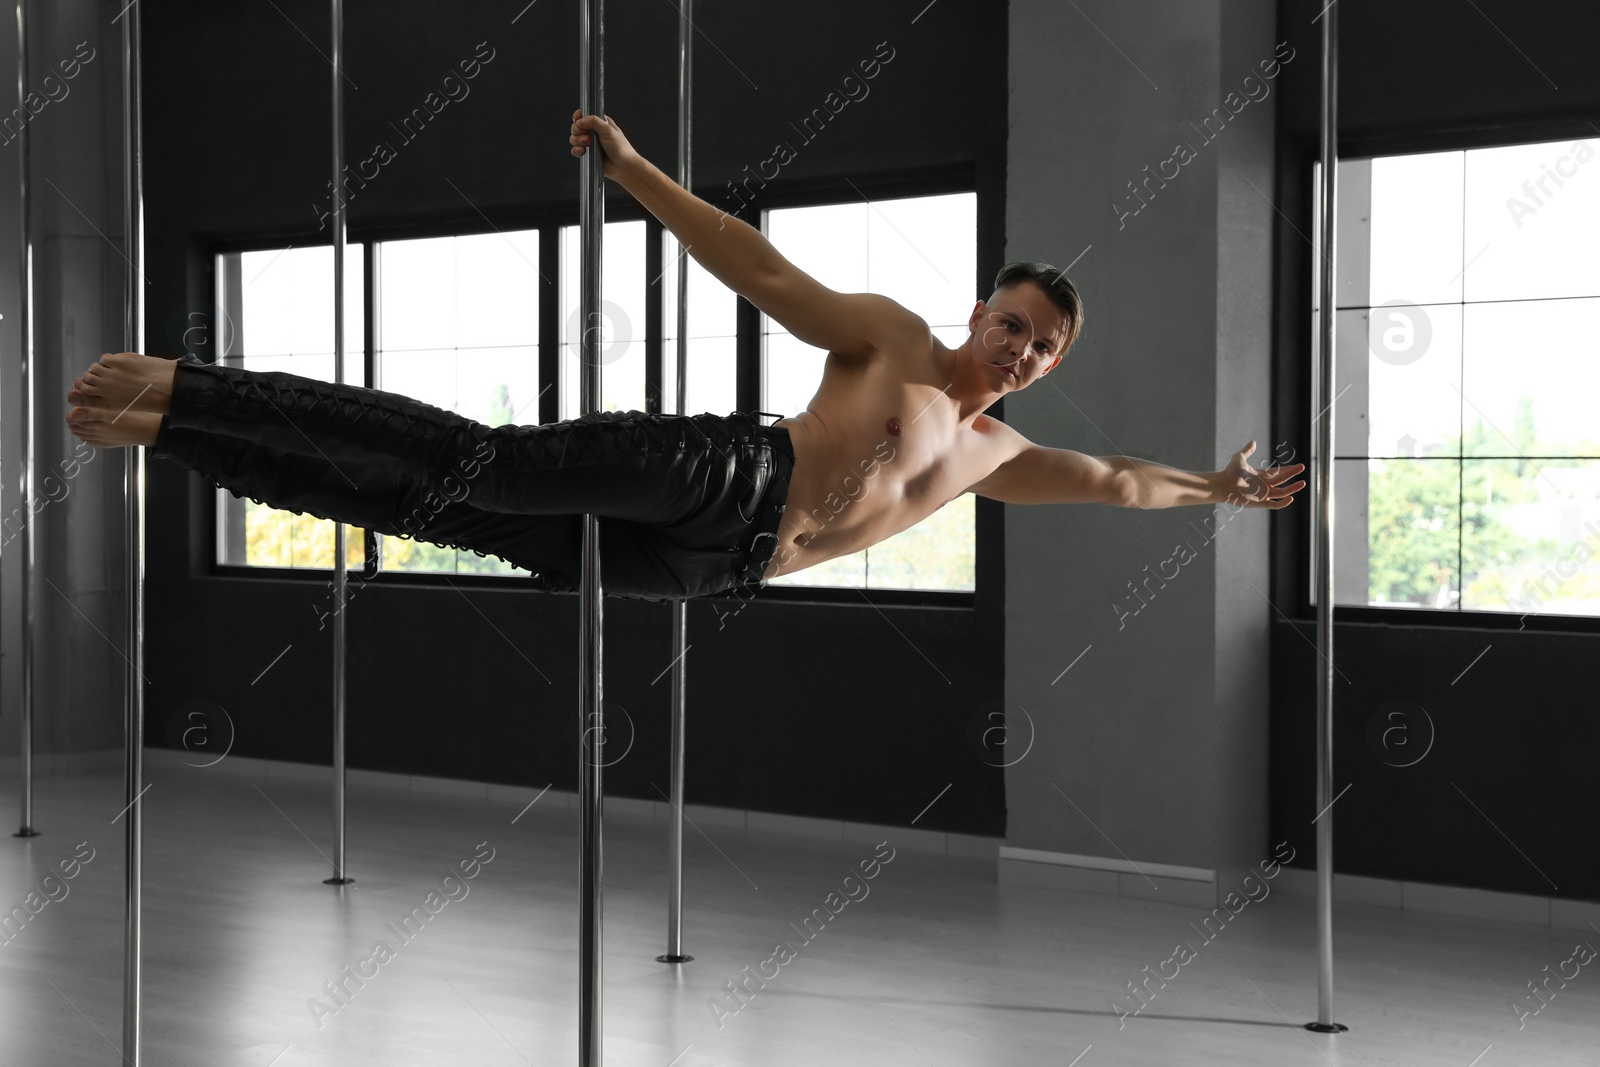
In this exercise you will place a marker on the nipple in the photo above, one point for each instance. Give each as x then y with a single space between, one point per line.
893 426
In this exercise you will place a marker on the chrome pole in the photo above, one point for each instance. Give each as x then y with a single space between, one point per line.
339 576
26 489
133 491
1324 547
591 721
680 608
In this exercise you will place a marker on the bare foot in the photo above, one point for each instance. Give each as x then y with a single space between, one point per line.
104 428
126 382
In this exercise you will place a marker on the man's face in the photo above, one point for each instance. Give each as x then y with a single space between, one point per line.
1020 335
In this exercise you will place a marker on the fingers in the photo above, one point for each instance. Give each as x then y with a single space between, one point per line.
1274 475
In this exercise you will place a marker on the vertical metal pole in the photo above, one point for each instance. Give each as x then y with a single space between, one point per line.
339 576
133 488
25 489
680 608
1324 552
591 721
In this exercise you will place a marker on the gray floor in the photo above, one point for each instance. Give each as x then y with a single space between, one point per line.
937 965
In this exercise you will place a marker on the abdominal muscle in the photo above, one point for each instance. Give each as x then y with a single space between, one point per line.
855 482
834 506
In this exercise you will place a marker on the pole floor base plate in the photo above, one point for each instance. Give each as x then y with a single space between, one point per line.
1326 1028
26 831
338 881
673 959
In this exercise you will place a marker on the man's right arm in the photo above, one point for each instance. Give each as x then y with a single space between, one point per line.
739 256
731 249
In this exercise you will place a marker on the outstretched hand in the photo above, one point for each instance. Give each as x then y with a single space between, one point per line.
1248 487
617 154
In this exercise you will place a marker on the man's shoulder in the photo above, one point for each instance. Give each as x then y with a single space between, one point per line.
898 328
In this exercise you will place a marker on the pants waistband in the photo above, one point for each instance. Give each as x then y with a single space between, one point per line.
762 542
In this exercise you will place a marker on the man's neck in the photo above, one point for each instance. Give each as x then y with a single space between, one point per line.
971 393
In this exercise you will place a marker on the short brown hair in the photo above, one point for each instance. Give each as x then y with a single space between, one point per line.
1062 293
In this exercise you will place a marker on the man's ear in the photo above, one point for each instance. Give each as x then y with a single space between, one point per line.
1052 365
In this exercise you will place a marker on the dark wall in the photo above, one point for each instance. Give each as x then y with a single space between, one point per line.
854 711
1508 777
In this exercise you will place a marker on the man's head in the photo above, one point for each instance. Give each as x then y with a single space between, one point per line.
1028 322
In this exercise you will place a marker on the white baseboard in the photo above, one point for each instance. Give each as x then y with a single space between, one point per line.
1196 886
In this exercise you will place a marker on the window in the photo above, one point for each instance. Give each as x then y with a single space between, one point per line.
456 323
278 316
712 365
458 328
1467 454
622 329
922 252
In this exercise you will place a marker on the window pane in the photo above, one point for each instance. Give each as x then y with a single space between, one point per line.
1413 535
278 307
497 386
712 363
828 242
845 572
921 252
936 553
1532 536
460 331
622 337
1532 378
1533 212
713 375
497 289
426 375
416 305
791 373
1416 228
1398 371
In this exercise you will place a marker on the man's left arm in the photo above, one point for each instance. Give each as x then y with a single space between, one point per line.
1036 474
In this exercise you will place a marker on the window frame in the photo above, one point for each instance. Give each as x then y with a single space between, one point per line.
549 221
1295 246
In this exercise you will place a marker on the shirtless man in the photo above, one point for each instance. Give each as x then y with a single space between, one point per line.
895 431
888 379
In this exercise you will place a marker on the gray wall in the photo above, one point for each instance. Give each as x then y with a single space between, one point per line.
1154 745
78 598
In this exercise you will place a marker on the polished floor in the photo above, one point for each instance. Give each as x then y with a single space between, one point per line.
936 964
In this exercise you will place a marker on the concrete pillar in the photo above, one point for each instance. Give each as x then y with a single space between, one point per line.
1152 749
79 636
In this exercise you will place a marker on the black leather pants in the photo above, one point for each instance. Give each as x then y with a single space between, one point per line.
688 506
